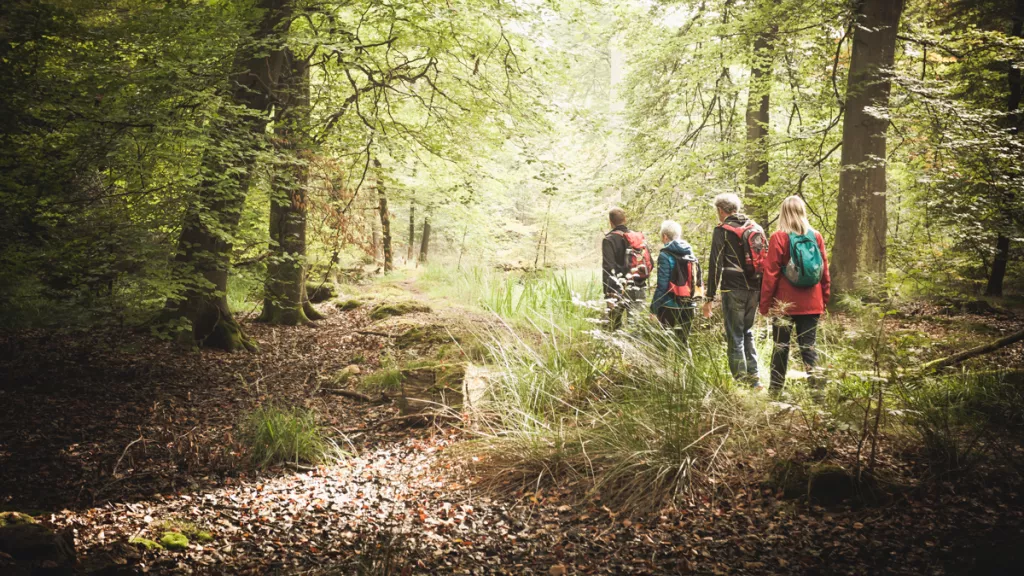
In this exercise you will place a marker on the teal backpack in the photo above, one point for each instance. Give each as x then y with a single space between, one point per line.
805 262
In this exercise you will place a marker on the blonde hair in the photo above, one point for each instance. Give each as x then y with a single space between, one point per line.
793 216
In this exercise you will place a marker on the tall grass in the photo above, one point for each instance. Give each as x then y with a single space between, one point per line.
277 435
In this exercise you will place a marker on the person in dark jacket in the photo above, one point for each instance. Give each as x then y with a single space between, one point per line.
670 311
740 290
792 306
622 290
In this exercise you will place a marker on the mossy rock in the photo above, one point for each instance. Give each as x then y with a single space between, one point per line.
203 537
318 292
30 548
422 336
174 541
146 543
387 310
12 518
788 477
830 484
346 305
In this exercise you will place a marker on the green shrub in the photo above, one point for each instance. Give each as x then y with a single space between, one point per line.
280 435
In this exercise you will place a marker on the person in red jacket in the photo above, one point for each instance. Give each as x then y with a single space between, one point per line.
792 306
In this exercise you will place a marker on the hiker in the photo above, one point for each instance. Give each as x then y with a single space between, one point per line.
625 265
738 249
680 282
795 289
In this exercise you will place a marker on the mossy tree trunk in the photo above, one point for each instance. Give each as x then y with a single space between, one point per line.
858 258
285 300
200 313
425 241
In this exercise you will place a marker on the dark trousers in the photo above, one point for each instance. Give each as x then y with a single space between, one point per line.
678 320
632 298
806 326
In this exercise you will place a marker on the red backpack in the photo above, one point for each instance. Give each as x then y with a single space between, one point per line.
755 247
686 281
638 256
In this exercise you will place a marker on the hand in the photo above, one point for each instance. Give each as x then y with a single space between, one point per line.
708 306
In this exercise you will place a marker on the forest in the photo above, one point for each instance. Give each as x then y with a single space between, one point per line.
553 287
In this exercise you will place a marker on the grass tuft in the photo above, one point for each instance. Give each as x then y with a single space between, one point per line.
278 435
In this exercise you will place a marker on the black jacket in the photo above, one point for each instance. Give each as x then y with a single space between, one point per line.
613 261
725 266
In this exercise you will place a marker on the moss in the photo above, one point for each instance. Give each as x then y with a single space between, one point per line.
189 529
429 335
387 310
346 305
146 543
318 292
174 541
13 518
204 536
788 477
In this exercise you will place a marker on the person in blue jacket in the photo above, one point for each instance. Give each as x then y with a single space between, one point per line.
673 313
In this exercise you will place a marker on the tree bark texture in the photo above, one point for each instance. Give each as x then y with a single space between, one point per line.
200 313
1002 256
285 300
757 119
385 225
859 253
425 241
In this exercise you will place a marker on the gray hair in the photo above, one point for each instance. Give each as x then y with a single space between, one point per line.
671 229
728 202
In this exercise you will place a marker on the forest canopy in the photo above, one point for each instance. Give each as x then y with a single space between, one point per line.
165 162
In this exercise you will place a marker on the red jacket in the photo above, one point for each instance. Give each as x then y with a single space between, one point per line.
776 289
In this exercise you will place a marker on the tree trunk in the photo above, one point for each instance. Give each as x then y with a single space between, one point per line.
199 313
425 242
385 224
1002 258
758 118
412 232
285 300
858 258
375 231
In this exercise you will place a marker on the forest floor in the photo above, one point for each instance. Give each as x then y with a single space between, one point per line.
112 433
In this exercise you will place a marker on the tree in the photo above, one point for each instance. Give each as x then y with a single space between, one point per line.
204 246
861 220
425 241
412 231
285 300
1013 77
385 221
758 118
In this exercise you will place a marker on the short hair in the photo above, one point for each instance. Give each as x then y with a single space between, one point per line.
671 229
793 216
728 202
617 216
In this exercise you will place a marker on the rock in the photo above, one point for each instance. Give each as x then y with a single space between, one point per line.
789 477
830 484
346 305
353 370
387 310
318 292
174 541
28 548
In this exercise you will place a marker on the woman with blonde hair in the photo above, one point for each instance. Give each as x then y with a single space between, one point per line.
795 288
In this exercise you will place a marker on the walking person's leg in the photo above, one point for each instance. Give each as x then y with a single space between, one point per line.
749 350
732 312
806 326
685 324
782 333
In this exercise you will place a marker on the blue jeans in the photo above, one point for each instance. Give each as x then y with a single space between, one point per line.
740 308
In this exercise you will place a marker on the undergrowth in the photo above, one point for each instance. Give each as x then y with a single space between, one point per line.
277 435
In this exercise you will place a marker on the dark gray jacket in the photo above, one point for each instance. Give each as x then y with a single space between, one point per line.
725 266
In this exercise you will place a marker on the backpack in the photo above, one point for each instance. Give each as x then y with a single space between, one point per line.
686 281
638 256
755 247
805 263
